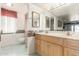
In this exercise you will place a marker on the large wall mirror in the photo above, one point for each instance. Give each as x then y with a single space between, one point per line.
35 19
47 22
60 23
52 24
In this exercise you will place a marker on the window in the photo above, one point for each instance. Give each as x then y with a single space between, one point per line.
8 21
8 24
77 28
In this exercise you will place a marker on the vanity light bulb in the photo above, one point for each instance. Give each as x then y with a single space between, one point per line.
9 4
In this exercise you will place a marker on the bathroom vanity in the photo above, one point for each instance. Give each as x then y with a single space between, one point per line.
55 44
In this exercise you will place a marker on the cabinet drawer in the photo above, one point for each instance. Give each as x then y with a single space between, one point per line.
37 37
70 52
51 39
71 43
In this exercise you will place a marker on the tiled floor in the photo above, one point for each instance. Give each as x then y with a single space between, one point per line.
14 50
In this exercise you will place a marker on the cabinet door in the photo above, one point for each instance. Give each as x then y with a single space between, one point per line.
37 43
44 48
37 46
55 50
70 52
74 44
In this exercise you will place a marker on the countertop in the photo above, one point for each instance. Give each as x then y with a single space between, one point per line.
62 34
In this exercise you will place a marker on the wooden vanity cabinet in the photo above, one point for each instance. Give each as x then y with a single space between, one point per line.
52 45
44 48
71 47
47 48
70 52
56 46
55 50
52 39
37 44
70 43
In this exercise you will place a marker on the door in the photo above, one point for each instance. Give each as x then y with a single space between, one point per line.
71 52
55 50
38 46
44 48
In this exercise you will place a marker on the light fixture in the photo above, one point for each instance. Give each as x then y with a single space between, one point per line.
9 4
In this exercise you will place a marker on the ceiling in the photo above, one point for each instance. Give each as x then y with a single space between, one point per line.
56 9
66 9
48 6
59 9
